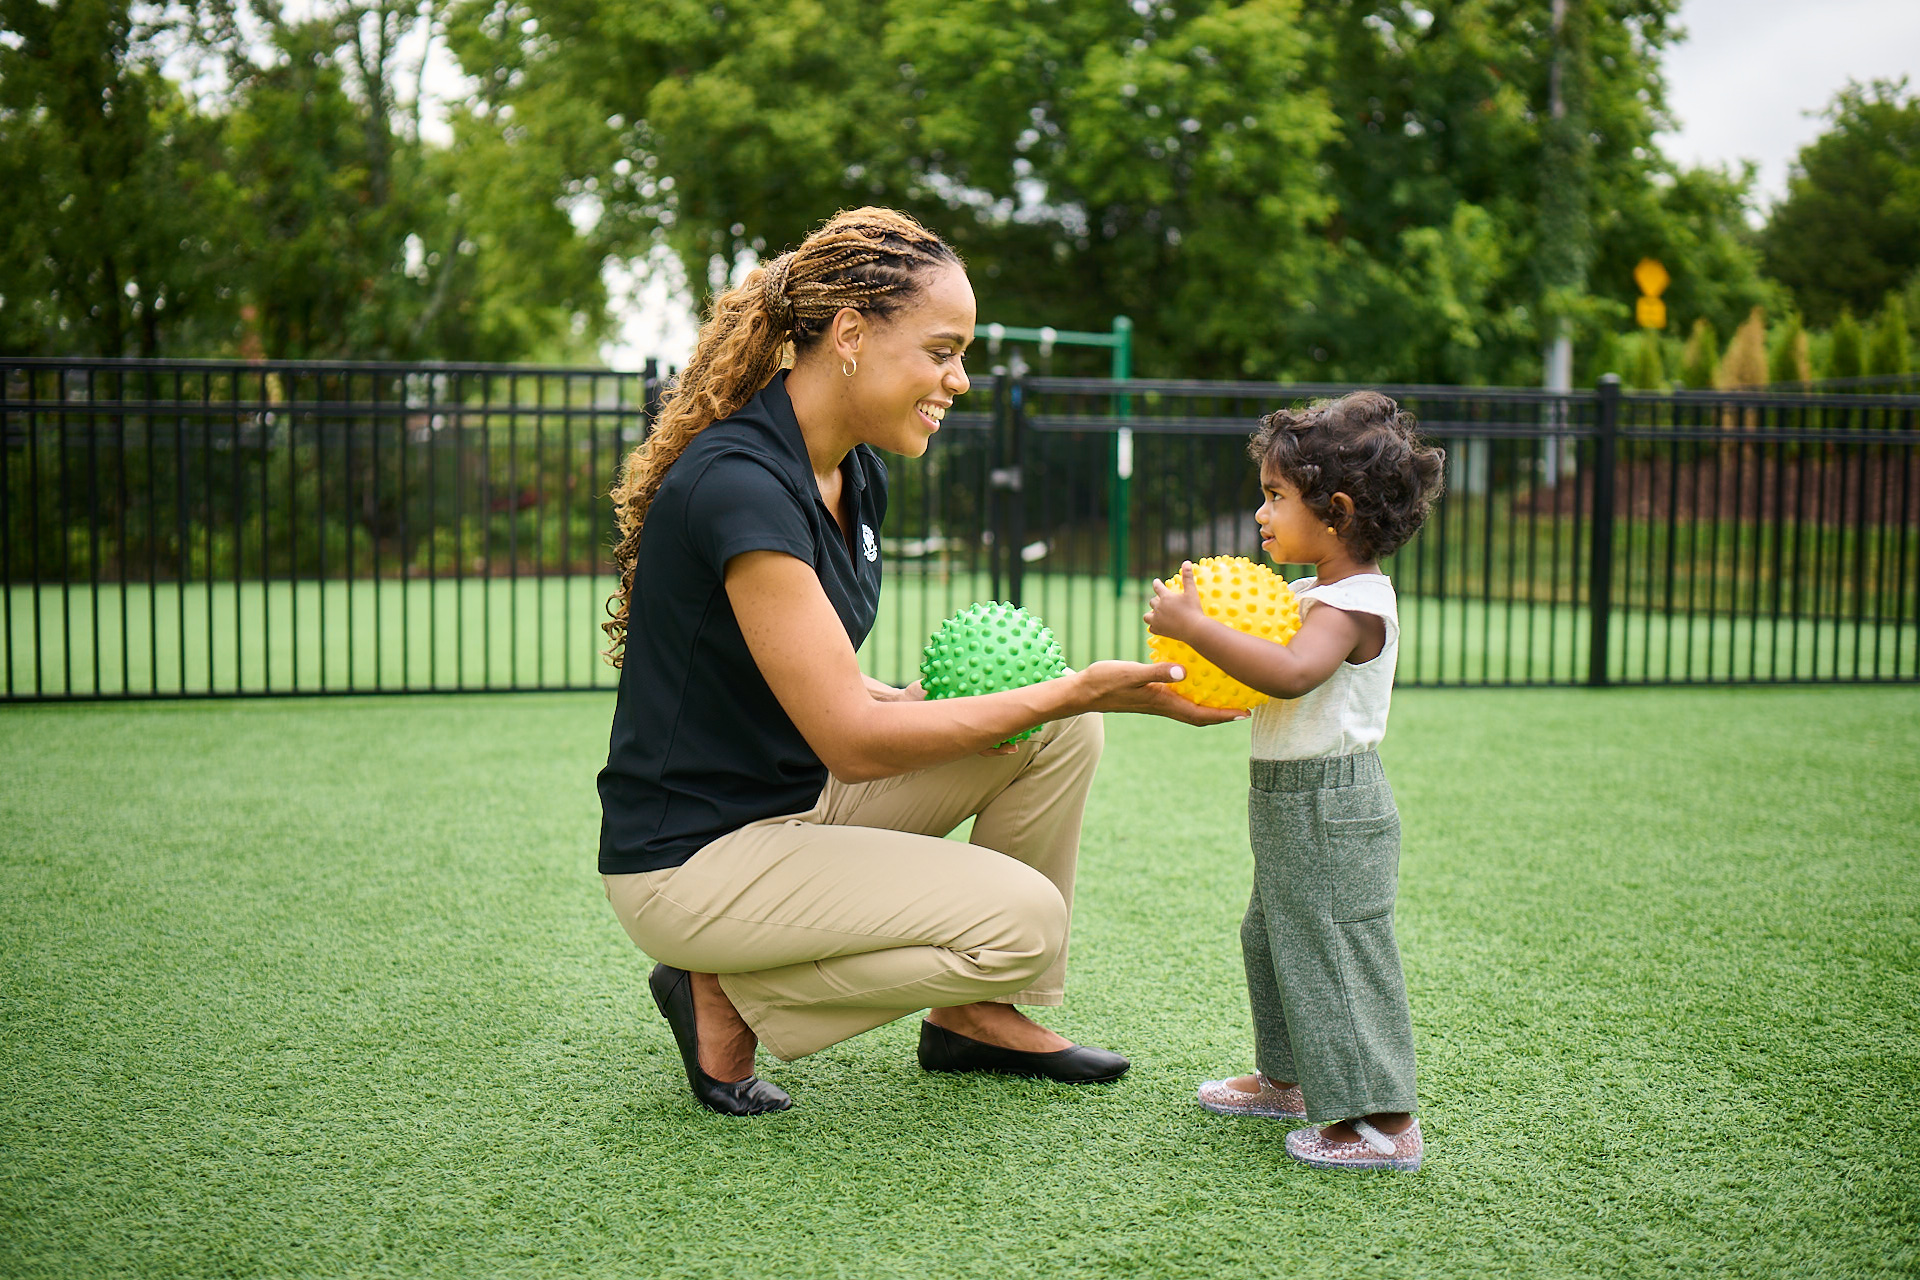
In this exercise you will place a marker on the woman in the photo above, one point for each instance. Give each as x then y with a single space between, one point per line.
772 819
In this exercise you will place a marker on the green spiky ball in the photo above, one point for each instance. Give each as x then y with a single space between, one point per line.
989 647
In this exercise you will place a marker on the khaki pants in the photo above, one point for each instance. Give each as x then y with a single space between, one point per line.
831 922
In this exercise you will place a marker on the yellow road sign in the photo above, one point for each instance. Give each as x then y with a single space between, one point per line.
1651 277
1651 313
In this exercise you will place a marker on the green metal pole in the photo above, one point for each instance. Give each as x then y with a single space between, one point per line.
1120 499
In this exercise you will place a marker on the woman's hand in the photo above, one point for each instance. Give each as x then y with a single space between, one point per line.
1175 614
880 691
1142 687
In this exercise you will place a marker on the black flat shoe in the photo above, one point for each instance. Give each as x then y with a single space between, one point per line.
944 1050
673 992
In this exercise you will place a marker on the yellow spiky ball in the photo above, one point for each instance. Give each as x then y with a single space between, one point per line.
1246 596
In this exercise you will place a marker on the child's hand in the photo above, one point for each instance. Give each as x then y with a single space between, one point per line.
1175 614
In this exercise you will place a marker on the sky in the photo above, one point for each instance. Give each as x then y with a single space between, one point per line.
1753 76
1749 82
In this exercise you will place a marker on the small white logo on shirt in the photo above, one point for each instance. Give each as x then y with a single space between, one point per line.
872 547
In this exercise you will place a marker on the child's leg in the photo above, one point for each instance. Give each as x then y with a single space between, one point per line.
1272 1050
1326 875
1269 1092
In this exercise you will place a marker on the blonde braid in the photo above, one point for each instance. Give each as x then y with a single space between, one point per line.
869 259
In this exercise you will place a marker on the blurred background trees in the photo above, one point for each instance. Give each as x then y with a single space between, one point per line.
1341 191
1848 233
232 181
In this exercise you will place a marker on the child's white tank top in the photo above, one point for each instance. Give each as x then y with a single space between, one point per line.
1349 712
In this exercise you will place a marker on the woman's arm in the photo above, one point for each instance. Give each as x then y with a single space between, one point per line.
1326 639
881 691
803 653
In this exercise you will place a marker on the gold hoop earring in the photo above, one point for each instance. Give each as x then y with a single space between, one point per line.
849 367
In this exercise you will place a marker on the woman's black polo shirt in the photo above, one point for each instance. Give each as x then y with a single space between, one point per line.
700 745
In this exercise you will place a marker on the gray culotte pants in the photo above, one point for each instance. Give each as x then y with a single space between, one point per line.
1323 971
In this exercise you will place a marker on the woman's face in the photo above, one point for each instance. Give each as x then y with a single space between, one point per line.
910 365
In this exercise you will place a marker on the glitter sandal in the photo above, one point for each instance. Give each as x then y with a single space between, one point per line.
1271 1101
1373 1150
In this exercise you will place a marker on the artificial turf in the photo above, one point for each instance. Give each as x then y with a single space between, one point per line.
329 988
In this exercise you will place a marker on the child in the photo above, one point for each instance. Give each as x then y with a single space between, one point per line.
1346 483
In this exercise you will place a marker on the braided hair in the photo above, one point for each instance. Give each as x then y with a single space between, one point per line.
873 260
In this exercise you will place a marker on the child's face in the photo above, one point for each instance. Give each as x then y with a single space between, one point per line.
1289 533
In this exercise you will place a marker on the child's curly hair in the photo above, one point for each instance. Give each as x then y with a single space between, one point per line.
1363 445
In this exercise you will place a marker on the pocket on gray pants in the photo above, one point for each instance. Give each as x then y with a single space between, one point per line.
1365 855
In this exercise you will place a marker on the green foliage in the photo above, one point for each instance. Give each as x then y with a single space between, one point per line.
1788 353
1694 224
1086 160
1268 189
1639 357
1849 229
1701 356
1362 191
1847 352
113 239
1744 362
360 240
1649 371
297 214
1607 353
1889 348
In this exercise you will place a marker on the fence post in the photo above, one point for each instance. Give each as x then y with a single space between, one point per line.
649 395
1120 495
1600 569
1009 532
992 503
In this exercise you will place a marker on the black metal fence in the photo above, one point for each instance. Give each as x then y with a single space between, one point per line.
204 528
220 529
1587 538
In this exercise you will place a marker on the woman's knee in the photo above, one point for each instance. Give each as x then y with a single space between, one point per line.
1029 935
1080 735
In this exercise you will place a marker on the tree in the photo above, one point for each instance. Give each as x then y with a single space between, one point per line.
1847 354
1889 347
114 243
362 241
1337 190
1701 356
1088 159
1360 190
1745 362
1848 232
1789 357
1693 222
1649 371
295 212
1445 105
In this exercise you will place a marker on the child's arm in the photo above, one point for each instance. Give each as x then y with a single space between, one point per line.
1326 639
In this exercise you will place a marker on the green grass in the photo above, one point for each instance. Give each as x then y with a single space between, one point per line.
330 988
543 632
